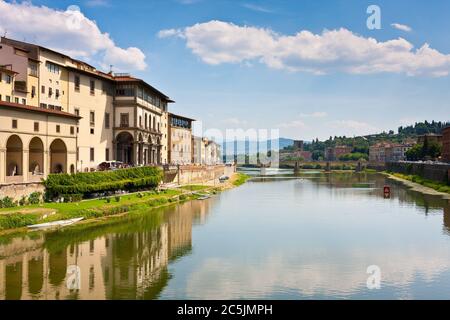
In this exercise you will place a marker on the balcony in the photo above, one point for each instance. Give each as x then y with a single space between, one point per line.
20 86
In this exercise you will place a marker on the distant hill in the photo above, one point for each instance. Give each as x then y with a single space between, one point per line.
228 146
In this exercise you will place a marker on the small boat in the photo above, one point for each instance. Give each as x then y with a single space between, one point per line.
55 224
205 197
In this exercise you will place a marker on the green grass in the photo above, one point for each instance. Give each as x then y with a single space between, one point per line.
194 187
18 217
241 179
438 186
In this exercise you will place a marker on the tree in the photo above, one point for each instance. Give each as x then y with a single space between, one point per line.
415 153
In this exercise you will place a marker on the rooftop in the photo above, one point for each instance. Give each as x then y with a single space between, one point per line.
23 107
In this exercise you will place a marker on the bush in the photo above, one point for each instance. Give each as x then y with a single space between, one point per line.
7 202
95 182
23 201
117 198
35 198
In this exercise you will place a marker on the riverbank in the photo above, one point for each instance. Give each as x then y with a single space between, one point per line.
420 185
17 219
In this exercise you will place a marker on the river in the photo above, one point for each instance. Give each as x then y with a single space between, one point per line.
309 236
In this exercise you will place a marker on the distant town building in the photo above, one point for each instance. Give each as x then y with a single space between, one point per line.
298 145
180 139
333 153
446 145
430 138
388 152
296 155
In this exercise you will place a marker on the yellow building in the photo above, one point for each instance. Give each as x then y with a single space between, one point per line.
180 140
104 116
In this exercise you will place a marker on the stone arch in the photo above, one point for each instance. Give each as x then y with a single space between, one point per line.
58 156
36 156
14 156
124 150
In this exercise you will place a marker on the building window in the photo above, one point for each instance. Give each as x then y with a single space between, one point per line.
57 93
77 112
24 101
33 69
51 67
92 154
33 91
58 128
43 106
92 130
92 87
8 78
124 120
92 118
78 153
140 121
8 99
16 100
77 83
36 127
72 130
43 89
106 120
14 123
50 92
107 154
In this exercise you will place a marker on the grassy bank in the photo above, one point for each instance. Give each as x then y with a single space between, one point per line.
20 217
438 186
240 179
90 209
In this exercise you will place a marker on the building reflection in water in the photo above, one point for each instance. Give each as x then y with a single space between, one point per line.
123 259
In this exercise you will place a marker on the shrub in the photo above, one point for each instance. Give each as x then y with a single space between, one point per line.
23 201
96 182
7 202
35 198
117 198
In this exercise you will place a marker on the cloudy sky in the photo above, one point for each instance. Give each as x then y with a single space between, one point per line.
310 68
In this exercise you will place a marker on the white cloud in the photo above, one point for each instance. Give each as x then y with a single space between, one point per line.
69 32
297 124
317 114
401 27
257 8
235 122
218 42
352 128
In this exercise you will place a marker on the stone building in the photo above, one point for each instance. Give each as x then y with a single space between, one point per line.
333 153
205 151
446 145
180 140
388 152
89 115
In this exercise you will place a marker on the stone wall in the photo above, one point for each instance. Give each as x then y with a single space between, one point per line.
436 172
17 191
197 174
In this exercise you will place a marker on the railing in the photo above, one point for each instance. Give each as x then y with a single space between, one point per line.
20 86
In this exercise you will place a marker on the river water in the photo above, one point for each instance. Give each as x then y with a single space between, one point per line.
309 236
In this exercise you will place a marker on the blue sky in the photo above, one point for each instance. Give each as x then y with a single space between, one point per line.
306 98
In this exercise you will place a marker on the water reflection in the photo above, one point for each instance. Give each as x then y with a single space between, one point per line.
124 259
293 237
